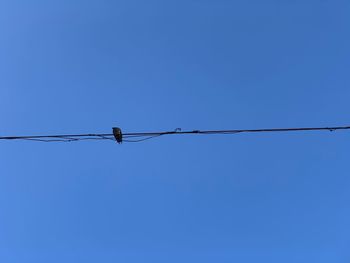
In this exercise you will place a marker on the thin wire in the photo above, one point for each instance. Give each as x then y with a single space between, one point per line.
51 140
141 140
105 138
150 135
64 139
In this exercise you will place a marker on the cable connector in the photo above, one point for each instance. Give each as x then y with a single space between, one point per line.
118 135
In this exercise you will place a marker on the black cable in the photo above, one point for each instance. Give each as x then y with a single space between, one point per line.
144 139
105 138
150 135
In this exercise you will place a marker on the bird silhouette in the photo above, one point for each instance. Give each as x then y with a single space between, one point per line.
118 135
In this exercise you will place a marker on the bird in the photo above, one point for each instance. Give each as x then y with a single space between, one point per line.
118 135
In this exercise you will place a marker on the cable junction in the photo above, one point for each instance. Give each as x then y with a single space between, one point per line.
134 137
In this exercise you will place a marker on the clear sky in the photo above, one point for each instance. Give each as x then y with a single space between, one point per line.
85 66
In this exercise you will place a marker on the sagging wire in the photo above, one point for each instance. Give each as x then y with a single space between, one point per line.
120 137
144 139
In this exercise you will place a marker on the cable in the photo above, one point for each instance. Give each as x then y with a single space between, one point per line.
144 139
142 136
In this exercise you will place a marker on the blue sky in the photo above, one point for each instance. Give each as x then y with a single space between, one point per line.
85 66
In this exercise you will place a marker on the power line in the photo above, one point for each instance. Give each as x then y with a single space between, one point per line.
118 136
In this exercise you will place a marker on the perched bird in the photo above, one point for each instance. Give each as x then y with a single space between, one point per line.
117 132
